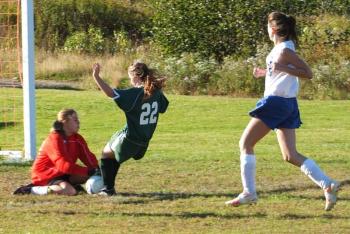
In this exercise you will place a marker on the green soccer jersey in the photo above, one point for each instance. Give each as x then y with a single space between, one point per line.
141 114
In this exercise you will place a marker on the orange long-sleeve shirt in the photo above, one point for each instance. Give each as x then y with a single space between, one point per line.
58 156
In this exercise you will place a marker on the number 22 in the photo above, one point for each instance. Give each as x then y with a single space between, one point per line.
148 117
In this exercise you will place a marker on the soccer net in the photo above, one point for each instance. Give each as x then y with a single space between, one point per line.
12 117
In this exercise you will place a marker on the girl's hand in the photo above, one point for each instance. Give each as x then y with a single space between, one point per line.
96 69
259 72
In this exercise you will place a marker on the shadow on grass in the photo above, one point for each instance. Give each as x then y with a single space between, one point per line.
7 124
182 215
344 183
175 196
7 163
190 215
320 197
303 216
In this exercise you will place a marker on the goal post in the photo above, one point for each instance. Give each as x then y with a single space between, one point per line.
17 81
28 59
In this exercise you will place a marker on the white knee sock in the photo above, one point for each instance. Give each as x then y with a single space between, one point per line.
313 171
248 164
39 190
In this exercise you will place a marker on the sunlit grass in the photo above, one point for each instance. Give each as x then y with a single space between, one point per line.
189 171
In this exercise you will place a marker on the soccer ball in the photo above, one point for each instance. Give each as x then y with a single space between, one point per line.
94 184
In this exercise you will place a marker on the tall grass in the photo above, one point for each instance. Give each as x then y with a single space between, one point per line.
77 68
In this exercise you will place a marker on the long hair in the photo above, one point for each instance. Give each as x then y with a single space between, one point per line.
148 78
62 115
285 25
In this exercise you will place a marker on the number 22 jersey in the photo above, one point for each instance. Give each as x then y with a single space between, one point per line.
141 114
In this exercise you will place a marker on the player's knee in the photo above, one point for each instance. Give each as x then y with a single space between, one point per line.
241 144
106 154
71 191
244 146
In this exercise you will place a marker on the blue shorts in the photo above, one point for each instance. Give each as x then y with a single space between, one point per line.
277 112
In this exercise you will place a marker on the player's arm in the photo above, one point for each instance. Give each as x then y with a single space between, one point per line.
55 150
85 155
299 67
100 83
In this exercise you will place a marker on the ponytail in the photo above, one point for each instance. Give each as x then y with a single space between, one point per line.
292 29
285 25
148 78
57 126
151 84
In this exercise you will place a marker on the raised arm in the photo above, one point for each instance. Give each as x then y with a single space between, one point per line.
100 83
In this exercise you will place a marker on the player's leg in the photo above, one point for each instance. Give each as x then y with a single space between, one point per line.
56 186
255 130
286 140
109 170
77 180
62 188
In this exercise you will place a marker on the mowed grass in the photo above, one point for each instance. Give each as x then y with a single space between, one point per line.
190 170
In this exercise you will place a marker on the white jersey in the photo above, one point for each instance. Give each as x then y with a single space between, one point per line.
279 83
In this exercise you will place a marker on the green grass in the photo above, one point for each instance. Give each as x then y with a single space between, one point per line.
189 171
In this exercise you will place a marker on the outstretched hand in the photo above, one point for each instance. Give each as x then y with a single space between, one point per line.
96 69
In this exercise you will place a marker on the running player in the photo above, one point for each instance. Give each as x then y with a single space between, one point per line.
278 110
141 104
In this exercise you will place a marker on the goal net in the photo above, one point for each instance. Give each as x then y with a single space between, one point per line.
12 85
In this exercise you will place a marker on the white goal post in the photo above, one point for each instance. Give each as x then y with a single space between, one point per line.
28 59
17 61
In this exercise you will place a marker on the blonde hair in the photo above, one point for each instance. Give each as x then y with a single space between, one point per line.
62 116
148 78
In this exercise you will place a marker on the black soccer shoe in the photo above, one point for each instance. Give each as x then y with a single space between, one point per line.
79 188
107 192
24 189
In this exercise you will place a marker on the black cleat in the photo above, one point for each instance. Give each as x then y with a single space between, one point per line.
107 192
24 189
79 188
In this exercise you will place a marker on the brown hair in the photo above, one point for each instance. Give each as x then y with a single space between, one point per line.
62 115
284 25
148 77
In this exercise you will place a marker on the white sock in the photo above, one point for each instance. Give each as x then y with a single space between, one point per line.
313 171
39 190
248 164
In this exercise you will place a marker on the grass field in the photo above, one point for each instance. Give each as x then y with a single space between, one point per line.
189 171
